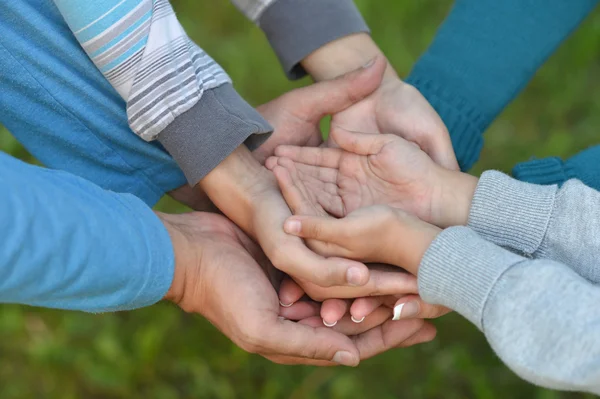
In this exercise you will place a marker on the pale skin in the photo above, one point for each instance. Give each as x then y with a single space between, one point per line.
223 275
221 247
408 115
368 170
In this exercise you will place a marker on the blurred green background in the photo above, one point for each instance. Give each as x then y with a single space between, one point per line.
160 352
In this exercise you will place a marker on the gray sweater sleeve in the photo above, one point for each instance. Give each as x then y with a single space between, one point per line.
539 316
541 222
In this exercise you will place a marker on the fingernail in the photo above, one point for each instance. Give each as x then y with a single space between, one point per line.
405 310
292 226
281 318
370 63
344 358
354 276
285 305
357 321
329 325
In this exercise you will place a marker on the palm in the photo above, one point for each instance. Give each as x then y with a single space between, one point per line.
338 182
400 109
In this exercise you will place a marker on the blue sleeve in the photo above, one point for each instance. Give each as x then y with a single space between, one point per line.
483 56
68 244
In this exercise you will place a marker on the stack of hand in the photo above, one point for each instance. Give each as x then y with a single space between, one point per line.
232 281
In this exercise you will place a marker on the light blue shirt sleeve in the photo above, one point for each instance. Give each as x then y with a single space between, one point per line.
68 244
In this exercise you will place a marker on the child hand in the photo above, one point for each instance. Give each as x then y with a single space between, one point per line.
374 234
372 169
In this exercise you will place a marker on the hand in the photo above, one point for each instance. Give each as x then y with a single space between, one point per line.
373 234
334 309
395 107
374 169
221 274
247 193
295 116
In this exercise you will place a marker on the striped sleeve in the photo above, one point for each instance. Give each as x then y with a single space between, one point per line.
296 28
174 91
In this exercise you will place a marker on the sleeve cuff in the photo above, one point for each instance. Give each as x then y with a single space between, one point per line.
152 284
460 269
553 170
511 213
202 137
464 122
296 28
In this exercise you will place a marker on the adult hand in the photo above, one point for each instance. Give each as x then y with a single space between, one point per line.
395 107
374 169
221 274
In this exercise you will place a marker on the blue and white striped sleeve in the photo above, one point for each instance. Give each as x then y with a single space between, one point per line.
296 28
174 91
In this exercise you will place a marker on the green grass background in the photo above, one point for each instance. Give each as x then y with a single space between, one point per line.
160 352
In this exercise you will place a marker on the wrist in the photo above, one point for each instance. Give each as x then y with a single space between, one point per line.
412 237
342 56
181 248
234 185
452 204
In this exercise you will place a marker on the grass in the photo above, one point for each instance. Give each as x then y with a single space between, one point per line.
160 352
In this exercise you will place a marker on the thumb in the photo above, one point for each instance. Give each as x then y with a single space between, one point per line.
332 96
359 143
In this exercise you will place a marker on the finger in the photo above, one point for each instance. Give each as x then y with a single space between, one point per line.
322 228
360 143
427 333
316 156
318 182
332 96
442 152
334 310
412 306
296 195
380 284
327 175
348 327
292 361
288 338
362 307
271 162
289 292
390 334
300 262
300 310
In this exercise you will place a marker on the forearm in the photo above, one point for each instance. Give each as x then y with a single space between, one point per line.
343 55
538 315
173 90
297 28
477 64
69 244
234 184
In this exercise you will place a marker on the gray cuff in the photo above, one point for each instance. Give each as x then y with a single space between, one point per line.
202 137
296 28
460 269
511 213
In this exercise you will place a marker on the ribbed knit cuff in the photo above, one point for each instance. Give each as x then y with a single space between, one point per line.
583 166
296 28
511 213
202 137
462 119
460 269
